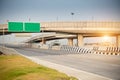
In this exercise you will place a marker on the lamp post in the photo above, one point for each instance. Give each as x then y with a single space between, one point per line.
57 18
29 19
92 18
70 41
72 14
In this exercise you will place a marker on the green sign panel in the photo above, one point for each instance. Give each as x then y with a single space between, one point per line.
32 27
23 27
15 26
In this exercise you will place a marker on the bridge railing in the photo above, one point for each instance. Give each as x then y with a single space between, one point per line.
82 25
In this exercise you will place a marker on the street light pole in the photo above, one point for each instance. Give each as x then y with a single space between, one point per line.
57 18
72 14
29 19
92 18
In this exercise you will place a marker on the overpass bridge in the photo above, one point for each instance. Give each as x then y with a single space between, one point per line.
80 28
50 36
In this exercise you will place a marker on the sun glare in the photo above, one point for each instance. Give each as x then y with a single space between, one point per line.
106 38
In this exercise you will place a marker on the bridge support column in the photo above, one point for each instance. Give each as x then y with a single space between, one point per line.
80 40
70 41
118 40
43 41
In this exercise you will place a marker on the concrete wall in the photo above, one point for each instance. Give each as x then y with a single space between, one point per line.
80 27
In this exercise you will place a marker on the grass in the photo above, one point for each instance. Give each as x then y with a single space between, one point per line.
15 67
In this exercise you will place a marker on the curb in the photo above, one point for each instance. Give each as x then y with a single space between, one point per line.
81 75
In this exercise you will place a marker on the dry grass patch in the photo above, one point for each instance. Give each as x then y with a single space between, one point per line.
15 67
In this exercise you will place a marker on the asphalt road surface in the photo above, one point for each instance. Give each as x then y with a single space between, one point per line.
103 65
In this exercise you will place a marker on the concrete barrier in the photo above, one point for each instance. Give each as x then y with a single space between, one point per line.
74 49
107 50
55 48
7 51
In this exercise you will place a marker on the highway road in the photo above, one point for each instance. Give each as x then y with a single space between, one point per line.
103 65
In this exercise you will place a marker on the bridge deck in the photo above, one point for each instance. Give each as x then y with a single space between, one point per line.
78 27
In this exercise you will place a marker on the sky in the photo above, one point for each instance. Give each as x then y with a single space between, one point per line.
58 10
53 10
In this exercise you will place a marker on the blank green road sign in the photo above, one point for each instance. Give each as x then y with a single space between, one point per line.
23 27
32 27
15 26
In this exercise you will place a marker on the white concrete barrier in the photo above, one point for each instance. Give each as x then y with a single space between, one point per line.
74 49
7 51
107 50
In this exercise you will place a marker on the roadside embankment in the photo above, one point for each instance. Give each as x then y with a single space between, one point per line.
7 51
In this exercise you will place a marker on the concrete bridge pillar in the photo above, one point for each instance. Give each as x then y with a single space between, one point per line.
70 41
118 41
80 40
43 41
